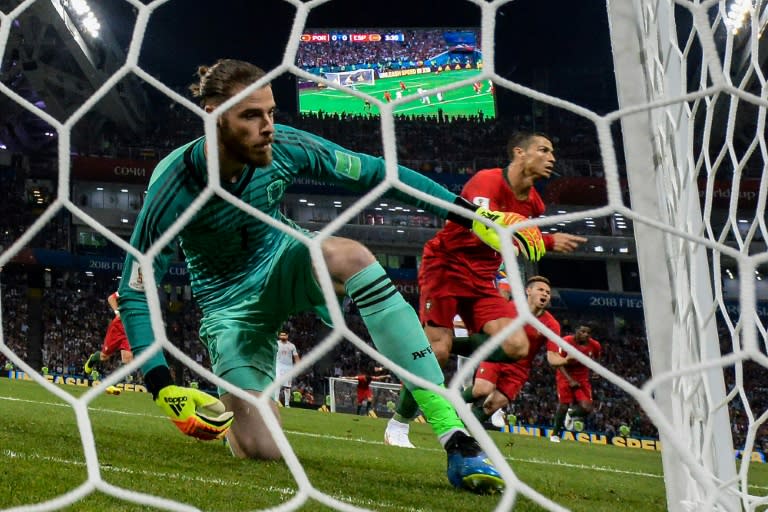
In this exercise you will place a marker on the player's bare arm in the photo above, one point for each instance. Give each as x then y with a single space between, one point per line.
571 381
556 360
566 242
112 301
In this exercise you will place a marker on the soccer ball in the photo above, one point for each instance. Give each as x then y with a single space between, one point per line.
624 430
113 390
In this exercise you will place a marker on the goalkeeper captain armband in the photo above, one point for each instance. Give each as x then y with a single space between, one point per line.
195 413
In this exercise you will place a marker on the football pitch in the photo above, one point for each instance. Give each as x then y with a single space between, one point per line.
461 101
343 456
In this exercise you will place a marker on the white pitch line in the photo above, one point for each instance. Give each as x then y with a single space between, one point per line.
160 476
542 462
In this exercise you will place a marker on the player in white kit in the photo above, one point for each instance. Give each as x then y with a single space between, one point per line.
287 356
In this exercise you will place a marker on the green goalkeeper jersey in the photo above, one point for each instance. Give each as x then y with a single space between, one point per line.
229 252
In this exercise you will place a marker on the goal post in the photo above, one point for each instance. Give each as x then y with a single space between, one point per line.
675 275
343 393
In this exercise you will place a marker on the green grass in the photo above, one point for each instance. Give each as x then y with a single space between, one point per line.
343 456
461 101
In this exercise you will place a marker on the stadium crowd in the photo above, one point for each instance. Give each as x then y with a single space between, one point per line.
456 145
417 46
76 315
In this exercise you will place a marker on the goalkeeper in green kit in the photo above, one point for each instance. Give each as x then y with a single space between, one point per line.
248 277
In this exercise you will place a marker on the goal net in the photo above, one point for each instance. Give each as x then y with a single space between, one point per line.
352 78
692 109
691 85
343 394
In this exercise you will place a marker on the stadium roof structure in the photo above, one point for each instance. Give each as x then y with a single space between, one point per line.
57 55
742 74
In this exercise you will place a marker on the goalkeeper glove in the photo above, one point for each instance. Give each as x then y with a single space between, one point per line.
529 241
194 412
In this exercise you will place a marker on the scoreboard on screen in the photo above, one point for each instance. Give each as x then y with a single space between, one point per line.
361 37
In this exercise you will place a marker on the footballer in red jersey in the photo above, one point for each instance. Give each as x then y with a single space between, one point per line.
574 390
114 340
457 273
364 391
497 384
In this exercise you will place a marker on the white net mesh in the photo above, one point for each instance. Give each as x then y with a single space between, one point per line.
695 64
686 82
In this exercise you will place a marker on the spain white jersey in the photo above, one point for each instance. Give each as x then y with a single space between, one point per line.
285 353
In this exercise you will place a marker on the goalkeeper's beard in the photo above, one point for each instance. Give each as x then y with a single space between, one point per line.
232 147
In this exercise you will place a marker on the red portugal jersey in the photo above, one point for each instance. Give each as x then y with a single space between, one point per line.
536 339
510 378
466 266
364 391
592 349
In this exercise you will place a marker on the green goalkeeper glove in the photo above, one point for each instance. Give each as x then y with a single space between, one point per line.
194 412
529 241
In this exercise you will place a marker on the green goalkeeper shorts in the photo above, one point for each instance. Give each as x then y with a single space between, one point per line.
242 339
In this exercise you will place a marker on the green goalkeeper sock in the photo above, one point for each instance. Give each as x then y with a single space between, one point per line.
93 362
397 334
480 413
559 420
466 345
578 411
467 395
407 407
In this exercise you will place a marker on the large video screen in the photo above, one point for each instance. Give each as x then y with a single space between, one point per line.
389 64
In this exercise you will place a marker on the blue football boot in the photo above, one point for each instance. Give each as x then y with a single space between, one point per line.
470 468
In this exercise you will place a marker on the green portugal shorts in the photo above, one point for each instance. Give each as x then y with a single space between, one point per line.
242 338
